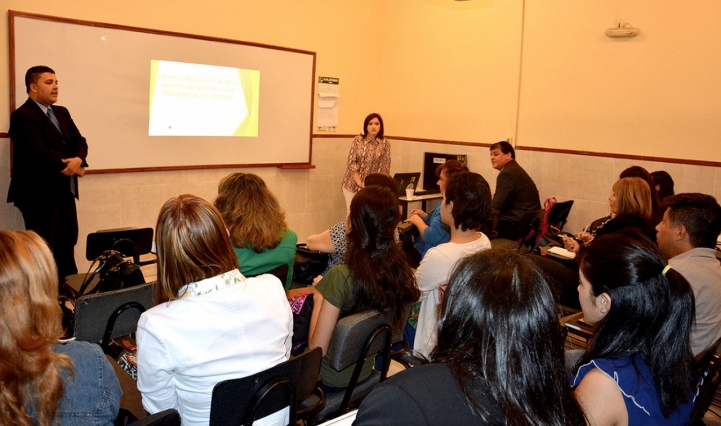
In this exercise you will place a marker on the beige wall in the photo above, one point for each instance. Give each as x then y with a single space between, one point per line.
657 94
439 69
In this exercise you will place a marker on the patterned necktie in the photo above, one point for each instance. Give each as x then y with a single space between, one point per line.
54 119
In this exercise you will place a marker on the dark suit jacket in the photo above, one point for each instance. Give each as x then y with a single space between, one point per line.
516 193
38 151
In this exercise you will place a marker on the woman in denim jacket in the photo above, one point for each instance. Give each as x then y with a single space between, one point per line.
45 382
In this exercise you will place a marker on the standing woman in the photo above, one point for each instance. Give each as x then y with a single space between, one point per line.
44 382
369 153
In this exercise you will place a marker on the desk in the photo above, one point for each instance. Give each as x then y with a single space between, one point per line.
403 201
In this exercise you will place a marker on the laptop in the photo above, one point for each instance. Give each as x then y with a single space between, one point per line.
405 179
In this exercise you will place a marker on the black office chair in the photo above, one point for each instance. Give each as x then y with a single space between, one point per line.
128 242
92 312
357 337
281 272
169 417
241 401
708 365
558 216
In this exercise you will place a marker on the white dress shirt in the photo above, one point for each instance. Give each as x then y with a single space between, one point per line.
224 327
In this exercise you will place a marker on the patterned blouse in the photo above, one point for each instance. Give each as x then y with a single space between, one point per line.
209 285
366 157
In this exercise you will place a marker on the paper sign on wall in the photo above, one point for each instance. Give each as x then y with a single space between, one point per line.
328 95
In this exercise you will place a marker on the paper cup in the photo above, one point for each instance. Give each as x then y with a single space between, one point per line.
409 193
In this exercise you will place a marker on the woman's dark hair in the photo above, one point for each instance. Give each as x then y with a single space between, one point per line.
650 315
382 278
368 119
451 167
640 172
471 198
381 179
665 184
498 322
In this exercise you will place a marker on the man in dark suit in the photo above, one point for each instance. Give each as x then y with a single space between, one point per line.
48 156
515 194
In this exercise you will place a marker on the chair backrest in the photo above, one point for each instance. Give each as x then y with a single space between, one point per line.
131 242
93 311
558 216
240 401
355 338
528 228
350 335
169 417
281 272
708 365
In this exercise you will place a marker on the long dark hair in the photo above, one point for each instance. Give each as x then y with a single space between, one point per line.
382 278
650 315
498 322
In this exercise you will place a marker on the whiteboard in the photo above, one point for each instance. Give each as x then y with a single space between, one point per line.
104 74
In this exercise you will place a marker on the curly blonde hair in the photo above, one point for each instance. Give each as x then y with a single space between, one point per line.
30 324
251 212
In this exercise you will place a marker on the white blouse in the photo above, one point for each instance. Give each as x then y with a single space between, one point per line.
224 327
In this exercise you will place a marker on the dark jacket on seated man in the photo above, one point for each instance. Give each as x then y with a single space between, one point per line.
516 193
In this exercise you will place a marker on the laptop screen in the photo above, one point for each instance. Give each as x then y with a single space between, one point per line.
405 179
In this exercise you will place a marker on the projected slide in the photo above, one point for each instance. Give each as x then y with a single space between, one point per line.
202 100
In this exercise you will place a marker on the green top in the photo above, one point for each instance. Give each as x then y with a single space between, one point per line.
252 263
337 288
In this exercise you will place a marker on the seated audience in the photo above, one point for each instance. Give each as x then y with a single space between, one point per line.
664 184
334 241
637 368
465 207
630 203
687 237
261 239
640 172
430 226
210 323
376 276
516 193
498 359
45 382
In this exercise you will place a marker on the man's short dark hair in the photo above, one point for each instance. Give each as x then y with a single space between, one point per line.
471 197
699 213
33 75
505 148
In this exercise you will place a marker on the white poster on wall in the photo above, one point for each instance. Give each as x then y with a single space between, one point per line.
328 96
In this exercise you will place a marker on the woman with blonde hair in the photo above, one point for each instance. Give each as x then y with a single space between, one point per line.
211 323
261 238
43 381
631 207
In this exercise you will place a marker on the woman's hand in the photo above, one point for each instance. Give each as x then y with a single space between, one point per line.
585 237
571 245
419 212
317 279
